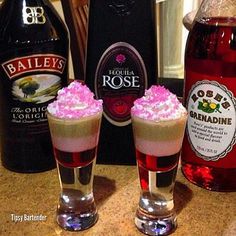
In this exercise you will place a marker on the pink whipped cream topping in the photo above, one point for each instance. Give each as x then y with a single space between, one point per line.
158 104
75 101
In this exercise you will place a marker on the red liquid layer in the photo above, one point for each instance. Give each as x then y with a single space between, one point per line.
211 55
165 166
75 159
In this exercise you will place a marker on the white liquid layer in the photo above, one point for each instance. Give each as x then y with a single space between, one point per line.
75 144
158 148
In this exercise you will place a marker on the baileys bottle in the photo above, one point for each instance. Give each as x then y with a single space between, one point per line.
33 67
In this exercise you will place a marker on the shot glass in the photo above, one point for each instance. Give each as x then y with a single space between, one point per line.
158 145
75 146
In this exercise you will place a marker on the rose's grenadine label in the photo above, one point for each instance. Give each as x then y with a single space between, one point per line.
120 79
212 120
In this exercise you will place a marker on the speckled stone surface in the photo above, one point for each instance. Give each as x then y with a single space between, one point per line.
116 189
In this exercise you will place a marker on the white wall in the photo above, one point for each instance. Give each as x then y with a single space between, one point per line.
189 5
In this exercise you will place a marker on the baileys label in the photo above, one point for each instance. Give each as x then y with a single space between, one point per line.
21 65
120 79
33 82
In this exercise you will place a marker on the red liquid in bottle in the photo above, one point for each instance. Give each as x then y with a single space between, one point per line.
209 151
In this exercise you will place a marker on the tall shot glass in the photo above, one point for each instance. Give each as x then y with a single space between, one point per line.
75 147
158 145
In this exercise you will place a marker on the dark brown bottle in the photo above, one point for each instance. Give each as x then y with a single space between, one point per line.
33 67
120 65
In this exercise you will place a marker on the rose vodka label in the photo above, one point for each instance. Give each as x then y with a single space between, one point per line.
120 65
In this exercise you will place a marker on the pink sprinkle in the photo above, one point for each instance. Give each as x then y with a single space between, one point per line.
157 104
75 101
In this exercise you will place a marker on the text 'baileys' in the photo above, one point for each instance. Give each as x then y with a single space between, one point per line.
34 63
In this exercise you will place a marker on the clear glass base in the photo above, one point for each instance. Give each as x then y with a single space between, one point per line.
76 208
158 225
77 222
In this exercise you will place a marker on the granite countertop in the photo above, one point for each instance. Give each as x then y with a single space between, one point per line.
116 189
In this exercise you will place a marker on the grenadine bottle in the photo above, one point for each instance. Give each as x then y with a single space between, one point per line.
120 65
33 67
209 150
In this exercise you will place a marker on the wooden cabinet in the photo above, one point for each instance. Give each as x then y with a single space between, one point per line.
76 17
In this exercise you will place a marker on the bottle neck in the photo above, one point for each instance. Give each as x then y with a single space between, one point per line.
18 4
29 21
25 12
216 8
25 2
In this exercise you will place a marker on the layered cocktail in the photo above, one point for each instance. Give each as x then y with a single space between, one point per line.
74 121
158 121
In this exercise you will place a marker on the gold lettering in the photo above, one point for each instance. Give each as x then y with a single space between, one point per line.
33 15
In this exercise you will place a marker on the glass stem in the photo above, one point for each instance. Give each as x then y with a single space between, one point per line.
76 209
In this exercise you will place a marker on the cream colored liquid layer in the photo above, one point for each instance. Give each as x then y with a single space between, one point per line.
162 138
75 135
158 148
67 144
